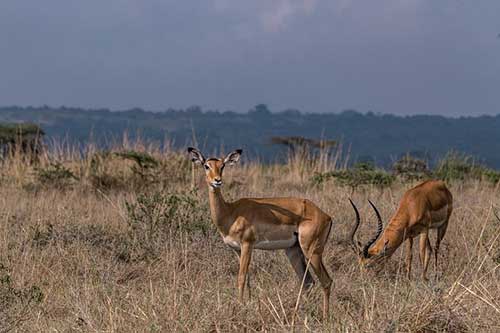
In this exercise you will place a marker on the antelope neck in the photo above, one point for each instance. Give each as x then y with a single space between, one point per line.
219 210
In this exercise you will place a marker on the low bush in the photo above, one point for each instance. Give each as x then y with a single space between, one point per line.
148 170
155 217
409 168
55 175
143 161
101 175
493 176
460 167
15 303
361 174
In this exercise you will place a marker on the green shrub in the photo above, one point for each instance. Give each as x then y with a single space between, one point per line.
145 170
153 218
409 168
101 176
15 303
97 161
491 175
143 162
455 166
55 175
364 166
360 174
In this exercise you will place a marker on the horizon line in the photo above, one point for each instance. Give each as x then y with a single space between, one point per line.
199 109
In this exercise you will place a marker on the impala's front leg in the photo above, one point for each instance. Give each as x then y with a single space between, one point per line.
409 255
425 252
238 255
246 255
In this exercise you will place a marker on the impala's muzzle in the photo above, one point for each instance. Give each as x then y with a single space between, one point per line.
216 183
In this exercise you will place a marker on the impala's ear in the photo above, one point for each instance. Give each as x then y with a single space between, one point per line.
233 157
196 156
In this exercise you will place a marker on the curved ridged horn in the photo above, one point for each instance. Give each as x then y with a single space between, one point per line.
355 246
380 227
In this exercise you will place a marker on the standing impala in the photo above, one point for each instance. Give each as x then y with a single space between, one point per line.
426 206
295 225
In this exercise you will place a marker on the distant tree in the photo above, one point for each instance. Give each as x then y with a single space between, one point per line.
260 110
290 113
21 138
385 137
194 110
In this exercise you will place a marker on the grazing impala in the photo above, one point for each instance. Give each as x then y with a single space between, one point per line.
295 225
426 206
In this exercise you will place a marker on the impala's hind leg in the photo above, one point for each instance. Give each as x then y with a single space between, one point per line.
312 247
297 259
324 279
425 252
439 237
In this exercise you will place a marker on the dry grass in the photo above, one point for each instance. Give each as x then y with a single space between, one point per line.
75 258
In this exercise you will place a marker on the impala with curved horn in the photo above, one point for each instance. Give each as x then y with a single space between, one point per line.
424 207
295 225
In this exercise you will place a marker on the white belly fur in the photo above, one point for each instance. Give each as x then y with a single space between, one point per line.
275 244
263 244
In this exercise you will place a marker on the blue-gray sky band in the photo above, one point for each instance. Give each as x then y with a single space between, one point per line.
394 56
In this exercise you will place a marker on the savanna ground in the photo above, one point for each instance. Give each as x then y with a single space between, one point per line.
124 243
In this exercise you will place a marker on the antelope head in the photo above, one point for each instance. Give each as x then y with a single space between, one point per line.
369 253
214 166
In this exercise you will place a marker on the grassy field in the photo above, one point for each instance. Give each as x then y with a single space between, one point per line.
123 243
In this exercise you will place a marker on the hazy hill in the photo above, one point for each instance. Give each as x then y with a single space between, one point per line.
380 137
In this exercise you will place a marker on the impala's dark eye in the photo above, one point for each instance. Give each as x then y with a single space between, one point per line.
206 167
222 168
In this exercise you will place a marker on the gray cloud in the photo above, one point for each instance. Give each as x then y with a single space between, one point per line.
398 56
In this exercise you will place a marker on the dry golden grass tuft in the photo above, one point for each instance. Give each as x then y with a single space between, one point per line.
113 248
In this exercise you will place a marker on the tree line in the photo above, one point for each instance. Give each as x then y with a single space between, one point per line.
367 137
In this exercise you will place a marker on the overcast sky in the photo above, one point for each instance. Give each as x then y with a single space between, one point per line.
390 56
